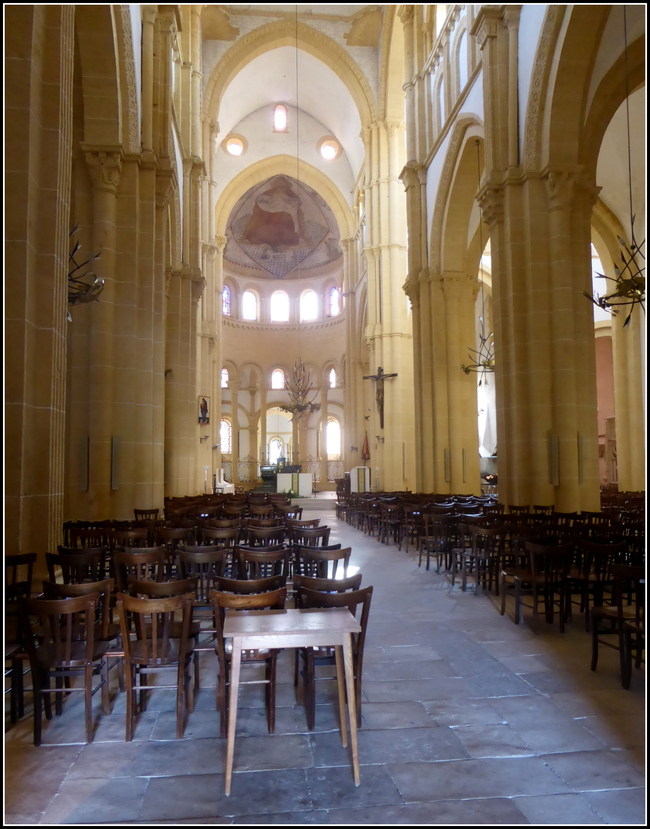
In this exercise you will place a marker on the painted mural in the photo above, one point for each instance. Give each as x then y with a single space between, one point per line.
283 228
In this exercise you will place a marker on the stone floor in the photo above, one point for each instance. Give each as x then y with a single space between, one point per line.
467 719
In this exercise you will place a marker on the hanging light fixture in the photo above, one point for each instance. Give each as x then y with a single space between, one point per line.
628 287
302 395
83 285
481 359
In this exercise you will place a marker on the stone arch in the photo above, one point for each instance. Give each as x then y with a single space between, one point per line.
288 33
283 164
442 232
96 38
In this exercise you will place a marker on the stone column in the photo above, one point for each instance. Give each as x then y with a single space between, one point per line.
234 403
462 463
628 400
323 431
39 62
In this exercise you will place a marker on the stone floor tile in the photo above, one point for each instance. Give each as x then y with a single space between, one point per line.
595 770
266 792
98 800
492 741
558 809
619 806
335 785
395 715
187 796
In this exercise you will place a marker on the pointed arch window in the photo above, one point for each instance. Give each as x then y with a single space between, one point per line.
279 307
277 379
226 437
249 306
226 301
308 306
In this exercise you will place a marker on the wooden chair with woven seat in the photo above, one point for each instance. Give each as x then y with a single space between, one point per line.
265 536
62 646
590 576
121 538
483 558
172 538
146 514
314 657
618 625
151 649
223 601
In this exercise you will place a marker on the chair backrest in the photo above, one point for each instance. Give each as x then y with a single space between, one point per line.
352 599
254 564
138 537
549 561
83 536
161 589
486 541
203 564
265 536
77 564
247 586
287 511
19 575
629 589
291 523
221 601
328 585
221 536
310 536
261 510
222 523
315 561
596 559
145 564
154 624
63 630
103 589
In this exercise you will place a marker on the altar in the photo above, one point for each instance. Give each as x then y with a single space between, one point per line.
299 483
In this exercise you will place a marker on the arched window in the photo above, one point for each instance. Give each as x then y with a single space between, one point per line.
279 307
333 378
276 450
249 306
334 302
462 61
308 306
333 437
225 301
226 437
277 379
224 378
280 118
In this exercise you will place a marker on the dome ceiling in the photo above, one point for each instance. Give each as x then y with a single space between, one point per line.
282 228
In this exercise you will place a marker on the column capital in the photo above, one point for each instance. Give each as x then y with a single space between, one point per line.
486 24
561 184
197 279
413 174
104 166
491 202
456 284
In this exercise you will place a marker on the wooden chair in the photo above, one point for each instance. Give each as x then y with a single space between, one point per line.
483 559
62 646
265 536
219 536
77 564
146 514
122 538
19 574
591 574
255 563
319 562
155 650
544 580
222 601
311 658
327 585
147 563
172 538
621 625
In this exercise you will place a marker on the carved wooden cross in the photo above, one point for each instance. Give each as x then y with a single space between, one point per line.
379 393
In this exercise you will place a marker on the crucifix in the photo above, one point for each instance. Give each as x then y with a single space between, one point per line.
379 393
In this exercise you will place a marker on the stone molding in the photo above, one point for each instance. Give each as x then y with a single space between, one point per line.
131 81
303 327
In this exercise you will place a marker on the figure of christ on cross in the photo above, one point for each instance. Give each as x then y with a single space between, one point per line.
379 393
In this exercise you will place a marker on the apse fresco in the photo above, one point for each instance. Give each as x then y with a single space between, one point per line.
283 228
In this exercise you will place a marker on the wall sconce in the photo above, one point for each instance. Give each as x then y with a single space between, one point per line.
216 446
379 438
204 438
354 449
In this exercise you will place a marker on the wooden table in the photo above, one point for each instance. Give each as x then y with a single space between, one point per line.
330 627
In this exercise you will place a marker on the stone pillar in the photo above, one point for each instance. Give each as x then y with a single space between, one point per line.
234 403
323 431
39 59
263 407
462 461
149 16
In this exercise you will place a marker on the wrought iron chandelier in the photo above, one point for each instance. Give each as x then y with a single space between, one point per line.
301 393
481 359
628 289
83 285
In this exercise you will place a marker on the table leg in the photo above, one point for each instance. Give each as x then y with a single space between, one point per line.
352 706
232 709
340 681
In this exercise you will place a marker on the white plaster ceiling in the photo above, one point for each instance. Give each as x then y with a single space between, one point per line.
271 79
